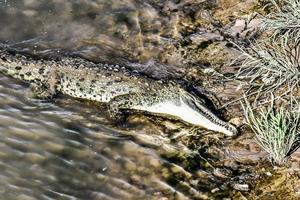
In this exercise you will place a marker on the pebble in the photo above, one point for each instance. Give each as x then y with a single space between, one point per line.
221 173
237 121
268 173
202 174
215 190
137 179
154 162
241 187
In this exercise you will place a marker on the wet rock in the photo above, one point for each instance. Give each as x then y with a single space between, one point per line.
167 189
165 172
240 187
176 169
222 173
215 190
202 174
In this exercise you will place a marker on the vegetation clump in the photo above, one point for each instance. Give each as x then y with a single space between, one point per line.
275 128
285 22
274 64
271 66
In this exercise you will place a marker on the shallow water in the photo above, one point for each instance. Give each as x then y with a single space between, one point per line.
143 35
69 150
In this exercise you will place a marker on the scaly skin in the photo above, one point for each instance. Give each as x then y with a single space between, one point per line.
114 85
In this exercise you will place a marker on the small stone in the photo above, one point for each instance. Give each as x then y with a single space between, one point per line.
175 169
268 174
154 162
137 179
215 190
241 187
202 174
237 121
254 23
221 173
194 182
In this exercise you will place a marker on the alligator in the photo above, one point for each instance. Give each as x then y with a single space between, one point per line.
123 90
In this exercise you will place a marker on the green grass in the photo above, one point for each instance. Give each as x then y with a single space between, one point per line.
285 21
275 129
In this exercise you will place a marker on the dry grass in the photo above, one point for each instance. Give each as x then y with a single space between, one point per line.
275 128
285 21
269 67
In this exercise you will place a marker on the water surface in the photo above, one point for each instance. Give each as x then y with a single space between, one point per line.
70 150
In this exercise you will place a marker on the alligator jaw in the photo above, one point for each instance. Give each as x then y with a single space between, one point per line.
190 114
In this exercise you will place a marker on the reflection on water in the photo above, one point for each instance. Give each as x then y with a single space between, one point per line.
102 30
123 32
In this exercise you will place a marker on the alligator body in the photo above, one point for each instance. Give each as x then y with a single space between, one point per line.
118 87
